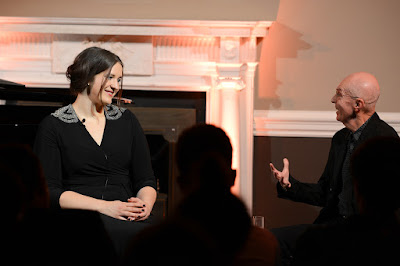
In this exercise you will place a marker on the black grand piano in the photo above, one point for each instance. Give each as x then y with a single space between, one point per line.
22 109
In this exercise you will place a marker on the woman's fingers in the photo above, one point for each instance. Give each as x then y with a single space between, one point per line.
136 210
121 218
132 210
137 201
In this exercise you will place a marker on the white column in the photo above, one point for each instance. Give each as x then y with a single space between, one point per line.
229 110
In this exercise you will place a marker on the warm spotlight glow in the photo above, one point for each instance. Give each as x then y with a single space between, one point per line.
229 88
229 109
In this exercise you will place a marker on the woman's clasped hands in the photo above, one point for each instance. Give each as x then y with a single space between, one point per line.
133 210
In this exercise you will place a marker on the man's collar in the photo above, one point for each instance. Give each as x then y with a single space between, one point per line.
356 134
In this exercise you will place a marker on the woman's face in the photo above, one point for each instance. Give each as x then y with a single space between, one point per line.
111 83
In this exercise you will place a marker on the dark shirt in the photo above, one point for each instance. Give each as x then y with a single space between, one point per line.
114 170
347 206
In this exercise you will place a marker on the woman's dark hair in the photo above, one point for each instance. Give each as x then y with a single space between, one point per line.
88 64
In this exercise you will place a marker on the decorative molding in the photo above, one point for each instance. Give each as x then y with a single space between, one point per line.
313 124
185 49
138 27
25 45
136 52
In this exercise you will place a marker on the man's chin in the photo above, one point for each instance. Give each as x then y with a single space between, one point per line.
338 117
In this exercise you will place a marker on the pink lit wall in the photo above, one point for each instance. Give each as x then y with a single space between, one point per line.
314 44
235 10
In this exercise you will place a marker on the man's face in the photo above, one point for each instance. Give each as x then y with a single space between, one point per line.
344 104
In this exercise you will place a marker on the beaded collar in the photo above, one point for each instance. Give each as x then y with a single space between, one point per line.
67 113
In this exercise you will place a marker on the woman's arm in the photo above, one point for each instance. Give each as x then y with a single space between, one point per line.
143 179
116 209
148 195
48 151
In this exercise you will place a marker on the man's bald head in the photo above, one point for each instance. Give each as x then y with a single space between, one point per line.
362 85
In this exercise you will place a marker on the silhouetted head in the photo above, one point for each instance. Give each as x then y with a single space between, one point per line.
204 158
23 164
374 166
13 196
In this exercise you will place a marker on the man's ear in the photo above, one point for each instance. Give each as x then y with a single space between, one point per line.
359 104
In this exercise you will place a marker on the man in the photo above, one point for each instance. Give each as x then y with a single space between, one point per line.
371 237
355 100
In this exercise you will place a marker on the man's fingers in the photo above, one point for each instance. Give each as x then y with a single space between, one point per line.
285 164
275 172
273 169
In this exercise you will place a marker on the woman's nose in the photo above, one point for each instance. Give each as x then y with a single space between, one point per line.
115 85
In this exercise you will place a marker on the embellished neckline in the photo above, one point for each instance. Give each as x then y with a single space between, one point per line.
67 113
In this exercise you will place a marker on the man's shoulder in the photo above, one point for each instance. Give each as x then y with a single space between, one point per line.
379 127
341 134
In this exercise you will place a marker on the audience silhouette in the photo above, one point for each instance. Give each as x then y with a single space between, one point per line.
211 226
38 235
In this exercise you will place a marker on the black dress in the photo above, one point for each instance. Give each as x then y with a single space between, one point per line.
73 161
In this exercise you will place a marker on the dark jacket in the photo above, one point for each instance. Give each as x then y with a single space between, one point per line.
325 192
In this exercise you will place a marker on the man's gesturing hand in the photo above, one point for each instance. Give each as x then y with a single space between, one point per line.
282 176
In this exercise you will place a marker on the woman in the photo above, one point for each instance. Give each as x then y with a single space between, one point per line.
95 154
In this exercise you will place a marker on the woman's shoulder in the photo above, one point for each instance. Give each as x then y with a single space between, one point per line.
53 122
114 112
65 114
59 119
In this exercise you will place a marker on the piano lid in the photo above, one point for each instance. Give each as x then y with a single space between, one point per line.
5 84
16 93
